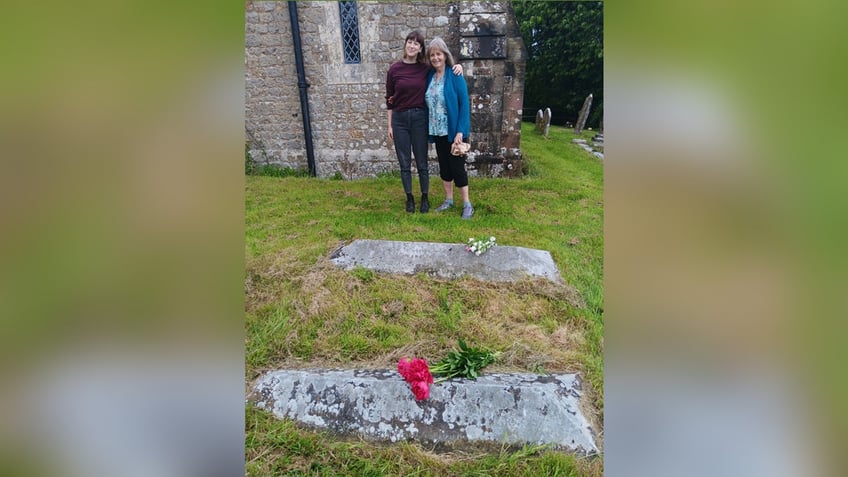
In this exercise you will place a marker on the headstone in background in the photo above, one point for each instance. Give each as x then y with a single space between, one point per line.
547 121
584 114
540 121
598 141
596 148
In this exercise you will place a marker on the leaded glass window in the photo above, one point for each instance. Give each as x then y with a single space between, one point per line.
350 31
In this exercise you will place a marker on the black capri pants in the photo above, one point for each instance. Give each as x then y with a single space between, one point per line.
451 168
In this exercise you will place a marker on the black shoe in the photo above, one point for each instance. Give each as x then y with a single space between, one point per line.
410 204
425 204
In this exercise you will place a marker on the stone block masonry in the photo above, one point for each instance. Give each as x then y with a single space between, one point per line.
346 101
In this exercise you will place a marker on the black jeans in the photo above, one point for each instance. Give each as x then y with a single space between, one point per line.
410 131
451 168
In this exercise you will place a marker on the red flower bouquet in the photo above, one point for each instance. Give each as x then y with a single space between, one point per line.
465 363
417 374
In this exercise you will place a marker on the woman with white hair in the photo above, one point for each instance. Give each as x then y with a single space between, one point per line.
449 124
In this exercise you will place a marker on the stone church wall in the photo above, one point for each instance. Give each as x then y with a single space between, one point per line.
346 101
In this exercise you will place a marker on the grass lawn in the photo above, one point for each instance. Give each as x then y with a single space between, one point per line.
303 311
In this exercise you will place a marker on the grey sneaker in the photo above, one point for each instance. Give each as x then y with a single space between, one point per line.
445 206
467 212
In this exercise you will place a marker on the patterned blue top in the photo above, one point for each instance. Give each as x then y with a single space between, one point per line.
435 97
456 104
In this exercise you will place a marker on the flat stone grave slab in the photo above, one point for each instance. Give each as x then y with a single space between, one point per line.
447 260
513 409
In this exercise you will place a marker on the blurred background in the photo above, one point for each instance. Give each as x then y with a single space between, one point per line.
122 238
121 282
723 228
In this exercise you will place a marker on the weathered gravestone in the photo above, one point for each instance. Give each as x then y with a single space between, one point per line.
540 121
547 121
447 260
598 142
596 149
598 139
513 409
584 115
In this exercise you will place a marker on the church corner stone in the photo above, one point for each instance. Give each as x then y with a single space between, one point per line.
346 101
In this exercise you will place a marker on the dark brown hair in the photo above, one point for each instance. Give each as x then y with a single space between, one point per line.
418 37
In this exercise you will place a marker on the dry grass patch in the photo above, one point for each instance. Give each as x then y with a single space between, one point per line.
359 318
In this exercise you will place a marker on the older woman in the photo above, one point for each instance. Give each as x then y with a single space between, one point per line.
407 115
449 123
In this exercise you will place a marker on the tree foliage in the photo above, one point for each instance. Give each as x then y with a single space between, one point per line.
565 46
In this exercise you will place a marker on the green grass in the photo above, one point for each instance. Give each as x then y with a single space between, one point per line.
280 448
301 310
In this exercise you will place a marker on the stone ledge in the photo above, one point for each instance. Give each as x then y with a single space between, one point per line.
448 260
512 409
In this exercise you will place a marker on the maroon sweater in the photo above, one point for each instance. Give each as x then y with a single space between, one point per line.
405 85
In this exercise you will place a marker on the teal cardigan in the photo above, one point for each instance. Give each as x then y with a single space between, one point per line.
456 103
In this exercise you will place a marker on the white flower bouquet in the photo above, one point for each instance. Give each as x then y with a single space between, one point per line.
478 247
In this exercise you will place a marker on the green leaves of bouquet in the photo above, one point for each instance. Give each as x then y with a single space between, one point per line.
465 363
